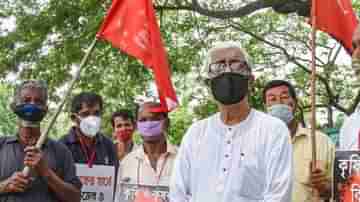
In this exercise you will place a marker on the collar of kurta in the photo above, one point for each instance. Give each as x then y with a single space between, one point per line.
170 150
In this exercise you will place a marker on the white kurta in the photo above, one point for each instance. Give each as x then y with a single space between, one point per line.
247 162
349 132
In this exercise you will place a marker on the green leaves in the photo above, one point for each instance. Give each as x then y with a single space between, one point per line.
49 42
7 118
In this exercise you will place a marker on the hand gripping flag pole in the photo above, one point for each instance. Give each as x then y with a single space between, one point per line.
75 78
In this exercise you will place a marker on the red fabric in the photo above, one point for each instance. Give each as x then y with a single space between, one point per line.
337 18
346 189
145 196
124 135
131 26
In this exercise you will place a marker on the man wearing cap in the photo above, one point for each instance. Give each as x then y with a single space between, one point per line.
52 177
152 163
238 154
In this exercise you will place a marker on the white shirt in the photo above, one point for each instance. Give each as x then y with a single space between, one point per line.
247 162
349 132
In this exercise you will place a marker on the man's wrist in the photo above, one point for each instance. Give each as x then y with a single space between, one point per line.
326 193
45 172
3 186
45 175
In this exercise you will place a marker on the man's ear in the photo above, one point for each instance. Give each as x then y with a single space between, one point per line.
251 83
46 108
74 118
12 106
167 123
252 78
295 107
134 125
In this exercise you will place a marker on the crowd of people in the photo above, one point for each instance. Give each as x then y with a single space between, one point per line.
239 154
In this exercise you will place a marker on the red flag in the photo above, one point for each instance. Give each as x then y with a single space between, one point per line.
131 26
337 18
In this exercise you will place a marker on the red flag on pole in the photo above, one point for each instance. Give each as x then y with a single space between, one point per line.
132 27
337 18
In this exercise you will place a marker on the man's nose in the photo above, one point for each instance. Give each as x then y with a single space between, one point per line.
33 101
278 100
227 66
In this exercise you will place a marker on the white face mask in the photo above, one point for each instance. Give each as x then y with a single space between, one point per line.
281 111
90 125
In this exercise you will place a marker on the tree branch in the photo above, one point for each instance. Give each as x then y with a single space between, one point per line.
224 14
354 104
162 8
331 95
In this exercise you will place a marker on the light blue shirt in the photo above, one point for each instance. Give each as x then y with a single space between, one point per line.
247 162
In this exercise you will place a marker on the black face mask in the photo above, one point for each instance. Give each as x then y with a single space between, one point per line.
230 88
30 112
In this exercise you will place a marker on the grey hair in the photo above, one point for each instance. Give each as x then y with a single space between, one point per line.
225 45
41 85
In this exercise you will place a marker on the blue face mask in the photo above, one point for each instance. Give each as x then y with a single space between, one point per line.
281 111
30 112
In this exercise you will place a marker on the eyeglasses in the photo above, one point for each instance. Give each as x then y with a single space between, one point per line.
240 67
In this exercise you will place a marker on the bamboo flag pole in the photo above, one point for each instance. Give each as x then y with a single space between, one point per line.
313 94
75 78
313 84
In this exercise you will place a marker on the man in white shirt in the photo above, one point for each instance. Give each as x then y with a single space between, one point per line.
349 138
238 154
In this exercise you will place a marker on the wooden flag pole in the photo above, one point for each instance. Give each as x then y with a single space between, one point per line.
76 77
313 94
313 85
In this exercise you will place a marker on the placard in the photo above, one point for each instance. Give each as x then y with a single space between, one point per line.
347 176
128 192
98 182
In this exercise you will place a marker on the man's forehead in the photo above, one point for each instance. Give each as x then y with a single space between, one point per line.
30 91
120 119
277 90
146 110
223 53
87 106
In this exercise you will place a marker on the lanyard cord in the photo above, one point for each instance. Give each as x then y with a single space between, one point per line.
90 158
160 173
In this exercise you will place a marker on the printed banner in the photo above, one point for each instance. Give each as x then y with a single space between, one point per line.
98 182
347 176
129 192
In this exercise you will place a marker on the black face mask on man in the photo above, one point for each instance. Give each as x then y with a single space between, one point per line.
229 88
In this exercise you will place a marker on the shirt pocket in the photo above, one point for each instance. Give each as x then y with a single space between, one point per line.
249 179
302 169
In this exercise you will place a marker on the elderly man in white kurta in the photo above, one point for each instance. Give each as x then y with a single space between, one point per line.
238 154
